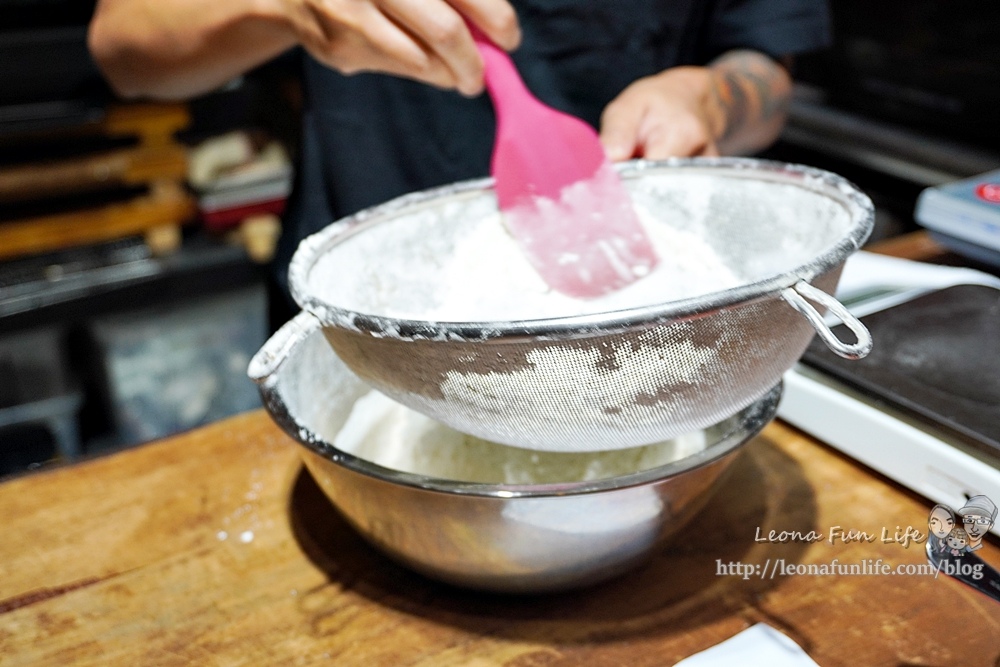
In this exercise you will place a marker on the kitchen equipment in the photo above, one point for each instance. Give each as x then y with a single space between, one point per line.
610 379
928 460
965 216
560 197
487 536
916 450
938 359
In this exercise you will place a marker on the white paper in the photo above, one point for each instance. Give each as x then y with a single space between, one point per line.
898 280
758 645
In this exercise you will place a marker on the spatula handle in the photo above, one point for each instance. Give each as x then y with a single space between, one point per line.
503 83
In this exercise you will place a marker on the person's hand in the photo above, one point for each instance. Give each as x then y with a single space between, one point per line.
426 40
671 114
735 105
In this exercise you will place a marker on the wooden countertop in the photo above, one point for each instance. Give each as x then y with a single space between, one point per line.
216 548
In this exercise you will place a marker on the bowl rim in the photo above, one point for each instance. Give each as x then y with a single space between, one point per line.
747 423
857 204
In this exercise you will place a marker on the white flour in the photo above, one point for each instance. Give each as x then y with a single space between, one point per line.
489 278
457 263
391 435
454 261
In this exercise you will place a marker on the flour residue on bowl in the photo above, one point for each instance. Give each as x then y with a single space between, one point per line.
384 432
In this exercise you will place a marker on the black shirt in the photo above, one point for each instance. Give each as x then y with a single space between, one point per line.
368 138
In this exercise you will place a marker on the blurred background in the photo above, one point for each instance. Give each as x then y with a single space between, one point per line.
135 238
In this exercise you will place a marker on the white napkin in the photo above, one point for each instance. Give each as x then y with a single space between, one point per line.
758 645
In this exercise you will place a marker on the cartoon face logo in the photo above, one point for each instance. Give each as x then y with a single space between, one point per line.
957 539
974 519
941 521
978 515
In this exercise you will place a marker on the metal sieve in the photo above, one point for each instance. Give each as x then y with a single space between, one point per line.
631 377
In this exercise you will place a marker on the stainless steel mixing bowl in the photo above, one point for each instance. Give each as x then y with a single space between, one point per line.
487 536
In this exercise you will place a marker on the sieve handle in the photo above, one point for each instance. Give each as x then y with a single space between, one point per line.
274 352
797 296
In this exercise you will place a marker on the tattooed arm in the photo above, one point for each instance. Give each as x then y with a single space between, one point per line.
735 105
752 91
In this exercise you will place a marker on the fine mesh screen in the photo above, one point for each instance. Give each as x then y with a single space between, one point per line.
595 383
602 392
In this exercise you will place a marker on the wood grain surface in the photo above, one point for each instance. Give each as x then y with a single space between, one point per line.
215 548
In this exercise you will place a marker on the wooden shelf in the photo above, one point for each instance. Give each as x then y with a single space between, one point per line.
166 206
157 164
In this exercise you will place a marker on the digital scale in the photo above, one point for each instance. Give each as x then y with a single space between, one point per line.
924 407
965 216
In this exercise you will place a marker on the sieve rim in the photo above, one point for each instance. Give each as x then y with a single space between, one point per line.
858 205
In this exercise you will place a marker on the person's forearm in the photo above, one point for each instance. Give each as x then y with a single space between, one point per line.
179 48
750 92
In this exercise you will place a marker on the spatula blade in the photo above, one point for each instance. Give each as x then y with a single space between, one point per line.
561 199
585 242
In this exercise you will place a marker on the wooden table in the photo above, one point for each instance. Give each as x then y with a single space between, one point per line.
216 548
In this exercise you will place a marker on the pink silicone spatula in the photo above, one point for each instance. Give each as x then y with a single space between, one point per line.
560 197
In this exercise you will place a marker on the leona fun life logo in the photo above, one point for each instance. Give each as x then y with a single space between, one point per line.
958 533
950 545
954 539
